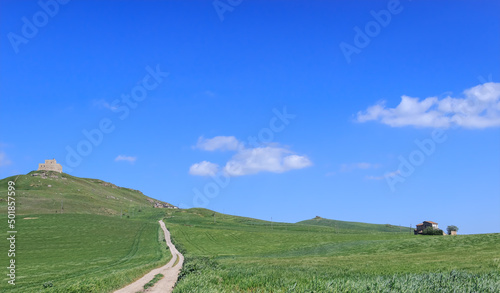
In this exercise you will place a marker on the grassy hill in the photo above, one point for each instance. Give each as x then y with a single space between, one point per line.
355 227
44 192
235 254
90 246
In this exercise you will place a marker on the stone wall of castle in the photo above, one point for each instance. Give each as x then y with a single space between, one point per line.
50 165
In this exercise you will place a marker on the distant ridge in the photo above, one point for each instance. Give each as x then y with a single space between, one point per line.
50 192
354 227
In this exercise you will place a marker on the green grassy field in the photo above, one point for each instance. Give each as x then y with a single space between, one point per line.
245 255
83 252
90 247
93 247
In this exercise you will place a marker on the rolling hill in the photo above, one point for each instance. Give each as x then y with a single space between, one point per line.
80 234
49 192
225 253
355 227
108 236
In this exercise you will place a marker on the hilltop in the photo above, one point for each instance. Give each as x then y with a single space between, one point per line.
49 192
354 227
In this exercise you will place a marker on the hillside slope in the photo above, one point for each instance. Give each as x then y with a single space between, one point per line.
227 253
89 247
354 227
48 192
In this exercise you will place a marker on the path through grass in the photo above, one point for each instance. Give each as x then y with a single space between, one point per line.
84 253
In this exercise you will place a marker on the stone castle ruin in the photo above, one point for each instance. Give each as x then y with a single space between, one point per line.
50 165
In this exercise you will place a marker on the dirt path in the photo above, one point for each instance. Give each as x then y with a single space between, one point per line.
170 272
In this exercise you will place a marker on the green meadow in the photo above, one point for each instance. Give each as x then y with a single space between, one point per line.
52 193
107 237
237 254
83 252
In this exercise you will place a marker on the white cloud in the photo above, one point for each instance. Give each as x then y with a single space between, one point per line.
204 169
264 159
209 93
271 158
480 108
100 104
126 158
4 161
222 143
386 175
354 166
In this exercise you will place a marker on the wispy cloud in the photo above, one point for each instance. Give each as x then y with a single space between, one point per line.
328 174
129 159
265 159
209 93
354 166
204 168
221 143
246 161
479 108
386 175
4 161
102 104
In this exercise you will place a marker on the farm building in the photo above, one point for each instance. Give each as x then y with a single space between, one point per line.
425 224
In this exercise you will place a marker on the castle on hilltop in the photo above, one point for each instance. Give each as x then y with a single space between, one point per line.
50 165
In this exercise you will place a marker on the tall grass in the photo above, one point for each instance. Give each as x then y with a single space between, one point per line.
245 255
261 278
83 253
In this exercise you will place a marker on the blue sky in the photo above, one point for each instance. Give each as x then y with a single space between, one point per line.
371 111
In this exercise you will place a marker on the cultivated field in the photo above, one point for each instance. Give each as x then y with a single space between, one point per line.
83 253
244 255
91 248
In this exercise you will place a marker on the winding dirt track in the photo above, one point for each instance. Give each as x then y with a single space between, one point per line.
170 272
